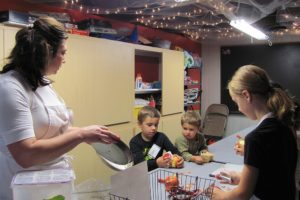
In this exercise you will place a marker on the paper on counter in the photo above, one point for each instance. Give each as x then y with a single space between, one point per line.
227 168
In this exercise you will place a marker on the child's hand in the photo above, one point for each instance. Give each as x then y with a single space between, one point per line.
234 177
163 162
239 149
198 160
179 162
206 156
239 146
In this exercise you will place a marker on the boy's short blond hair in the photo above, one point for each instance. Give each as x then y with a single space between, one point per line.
147 111
192 118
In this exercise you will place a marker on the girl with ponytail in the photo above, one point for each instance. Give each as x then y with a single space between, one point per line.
270 153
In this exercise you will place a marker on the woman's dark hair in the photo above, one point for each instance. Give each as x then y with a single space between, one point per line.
35 46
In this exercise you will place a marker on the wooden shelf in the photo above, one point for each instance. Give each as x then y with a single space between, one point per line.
195 67
193 84
192 89
146 91
192 104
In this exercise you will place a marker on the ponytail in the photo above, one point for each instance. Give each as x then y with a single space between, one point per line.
283 107
296 117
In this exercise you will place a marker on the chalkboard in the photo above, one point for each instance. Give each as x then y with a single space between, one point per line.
281 61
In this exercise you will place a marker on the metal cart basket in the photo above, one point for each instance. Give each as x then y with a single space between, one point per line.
167 185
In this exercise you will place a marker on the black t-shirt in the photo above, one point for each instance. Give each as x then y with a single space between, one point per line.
271 148
140 148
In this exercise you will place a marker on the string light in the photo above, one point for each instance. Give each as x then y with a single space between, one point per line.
199 22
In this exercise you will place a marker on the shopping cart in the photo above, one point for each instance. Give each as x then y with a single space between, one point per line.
167 185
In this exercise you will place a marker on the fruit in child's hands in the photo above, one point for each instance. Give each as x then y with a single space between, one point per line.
167 155
241 142
175 160
206 156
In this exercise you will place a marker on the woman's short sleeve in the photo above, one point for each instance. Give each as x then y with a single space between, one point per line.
15 117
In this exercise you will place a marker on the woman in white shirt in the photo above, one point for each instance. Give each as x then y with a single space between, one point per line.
35 131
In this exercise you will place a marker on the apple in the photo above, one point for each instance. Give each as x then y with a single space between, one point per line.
241 143
175 160
171 182
167 155
206 156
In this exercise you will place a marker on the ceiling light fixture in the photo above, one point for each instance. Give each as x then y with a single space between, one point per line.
243 26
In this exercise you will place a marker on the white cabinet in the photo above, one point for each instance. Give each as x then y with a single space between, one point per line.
7 42
172 82
1 47
97 80
171 126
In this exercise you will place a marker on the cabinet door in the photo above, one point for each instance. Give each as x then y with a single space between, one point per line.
171 126
97 80
9 40
172 82
1 48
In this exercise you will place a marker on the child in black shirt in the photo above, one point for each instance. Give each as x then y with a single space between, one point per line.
149 144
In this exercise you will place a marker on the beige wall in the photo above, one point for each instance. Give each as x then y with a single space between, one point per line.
211 86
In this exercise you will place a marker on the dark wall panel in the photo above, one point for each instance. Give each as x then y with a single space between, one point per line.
281 61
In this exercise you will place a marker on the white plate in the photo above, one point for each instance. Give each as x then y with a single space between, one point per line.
117 155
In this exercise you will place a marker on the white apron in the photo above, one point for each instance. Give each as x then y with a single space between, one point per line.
50 119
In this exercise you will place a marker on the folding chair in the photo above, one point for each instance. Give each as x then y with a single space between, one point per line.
214 123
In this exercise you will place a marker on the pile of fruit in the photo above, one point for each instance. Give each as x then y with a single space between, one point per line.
177 192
